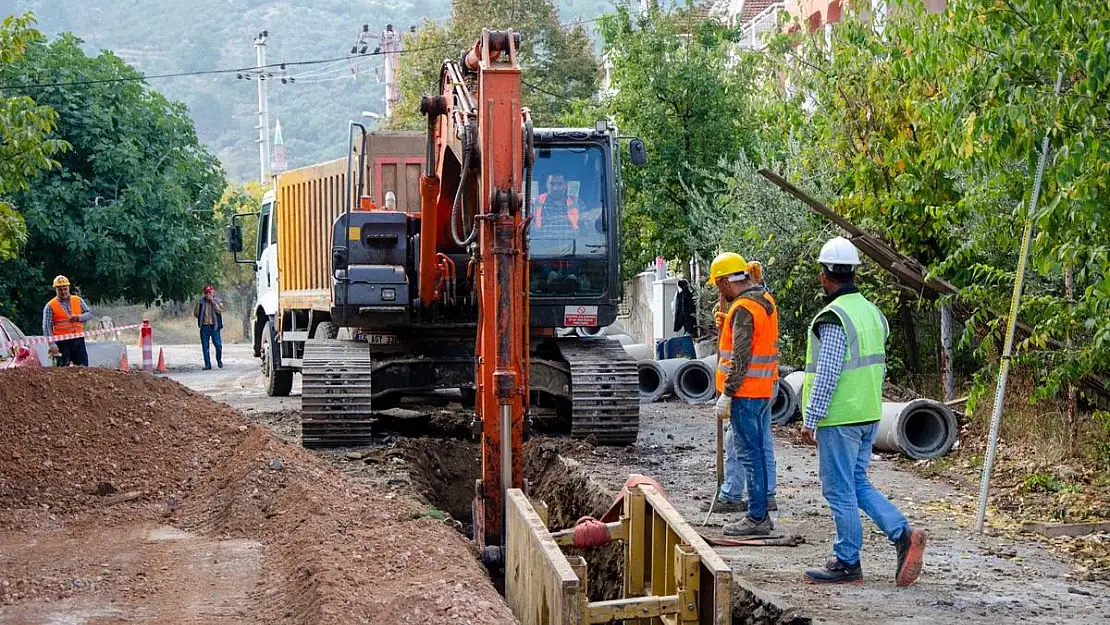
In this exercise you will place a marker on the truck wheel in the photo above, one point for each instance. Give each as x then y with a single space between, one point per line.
325 330
278 381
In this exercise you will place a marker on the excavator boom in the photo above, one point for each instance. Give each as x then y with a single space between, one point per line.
479 139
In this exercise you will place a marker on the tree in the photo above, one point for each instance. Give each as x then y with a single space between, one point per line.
129 212
675 86
239 278
558 63
927 131
26 146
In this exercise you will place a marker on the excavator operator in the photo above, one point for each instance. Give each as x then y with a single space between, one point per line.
556 213
561 231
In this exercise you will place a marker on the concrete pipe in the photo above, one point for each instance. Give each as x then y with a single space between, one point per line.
921 429
657 378
623 339
794 381
610 330
784 406
639 352
694 382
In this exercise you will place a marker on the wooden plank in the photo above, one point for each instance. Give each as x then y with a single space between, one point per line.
635 556
720 604
1055 530
639 608
540 584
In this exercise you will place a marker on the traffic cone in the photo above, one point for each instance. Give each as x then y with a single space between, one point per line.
161 368
123 366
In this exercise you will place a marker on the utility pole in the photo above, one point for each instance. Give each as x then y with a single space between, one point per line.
263 108
390 47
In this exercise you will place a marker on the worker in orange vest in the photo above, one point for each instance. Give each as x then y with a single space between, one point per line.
66 315
747 369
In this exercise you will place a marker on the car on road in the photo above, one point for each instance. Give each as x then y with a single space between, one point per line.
10 332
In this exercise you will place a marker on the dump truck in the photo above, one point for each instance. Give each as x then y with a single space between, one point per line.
292 255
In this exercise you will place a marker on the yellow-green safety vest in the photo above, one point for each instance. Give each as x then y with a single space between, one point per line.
859 392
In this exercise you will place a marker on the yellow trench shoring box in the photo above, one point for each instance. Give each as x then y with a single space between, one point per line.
671 575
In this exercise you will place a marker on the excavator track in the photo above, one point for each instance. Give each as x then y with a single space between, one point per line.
335 396
605 391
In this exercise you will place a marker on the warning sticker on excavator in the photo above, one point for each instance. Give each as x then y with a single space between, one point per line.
580 316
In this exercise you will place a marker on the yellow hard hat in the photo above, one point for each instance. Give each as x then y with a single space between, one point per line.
61 281
726 264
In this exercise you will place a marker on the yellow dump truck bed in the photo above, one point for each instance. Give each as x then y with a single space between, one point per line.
310 199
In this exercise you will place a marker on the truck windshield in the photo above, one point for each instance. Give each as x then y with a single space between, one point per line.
569 235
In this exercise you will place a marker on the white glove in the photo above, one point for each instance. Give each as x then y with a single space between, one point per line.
724 407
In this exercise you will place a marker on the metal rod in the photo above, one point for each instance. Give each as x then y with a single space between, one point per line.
506 451
1011 326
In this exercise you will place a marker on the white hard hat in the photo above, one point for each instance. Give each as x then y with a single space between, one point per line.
839 251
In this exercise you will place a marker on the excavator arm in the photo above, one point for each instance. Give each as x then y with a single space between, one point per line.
479 138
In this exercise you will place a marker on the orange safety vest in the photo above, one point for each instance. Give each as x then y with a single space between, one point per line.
62 324
763 371
572 212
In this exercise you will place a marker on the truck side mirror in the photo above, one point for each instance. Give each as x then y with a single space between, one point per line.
638 152
234 238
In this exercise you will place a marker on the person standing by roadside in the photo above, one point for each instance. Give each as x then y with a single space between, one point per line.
736 458
747 367
209 313
842 398
66 314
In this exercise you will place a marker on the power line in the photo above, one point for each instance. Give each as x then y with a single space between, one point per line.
209 72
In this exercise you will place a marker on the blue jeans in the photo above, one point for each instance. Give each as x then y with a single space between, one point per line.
750 418
844 451
211 333
736 463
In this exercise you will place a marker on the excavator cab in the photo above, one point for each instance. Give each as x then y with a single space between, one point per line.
574 236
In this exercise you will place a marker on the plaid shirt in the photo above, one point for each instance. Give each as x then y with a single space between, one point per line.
834 342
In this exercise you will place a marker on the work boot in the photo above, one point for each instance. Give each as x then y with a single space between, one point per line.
911 555
724 506
750 527
835 572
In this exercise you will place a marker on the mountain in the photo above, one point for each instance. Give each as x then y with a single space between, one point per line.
171 36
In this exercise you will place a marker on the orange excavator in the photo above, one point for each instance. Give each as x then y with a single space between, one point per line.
516 242
479 116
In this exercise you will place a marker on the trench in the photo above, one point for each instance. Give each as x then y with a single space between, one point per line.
442 465
443 471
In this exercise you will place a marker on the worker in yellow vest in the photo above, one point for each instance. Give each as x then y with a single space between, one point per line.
65 316
747 369
842 397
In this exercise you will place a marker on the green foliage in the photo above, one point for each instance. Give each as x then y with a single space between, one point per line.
926 132
738 210
26 146
129 212
675 88
557 62
238 279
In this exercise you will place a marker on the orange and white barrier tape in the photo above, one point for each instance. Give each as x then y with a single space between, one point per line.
38 340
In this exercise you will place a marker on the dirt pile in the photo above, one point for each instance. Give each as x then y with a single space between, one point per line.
230 525
76 437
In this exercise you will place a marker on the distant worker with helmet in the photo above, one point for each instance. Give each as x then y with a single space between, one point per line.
65 315
842 404
747 369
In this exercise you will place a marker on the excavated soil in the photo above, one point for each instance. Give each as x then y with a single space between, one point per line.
128 498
